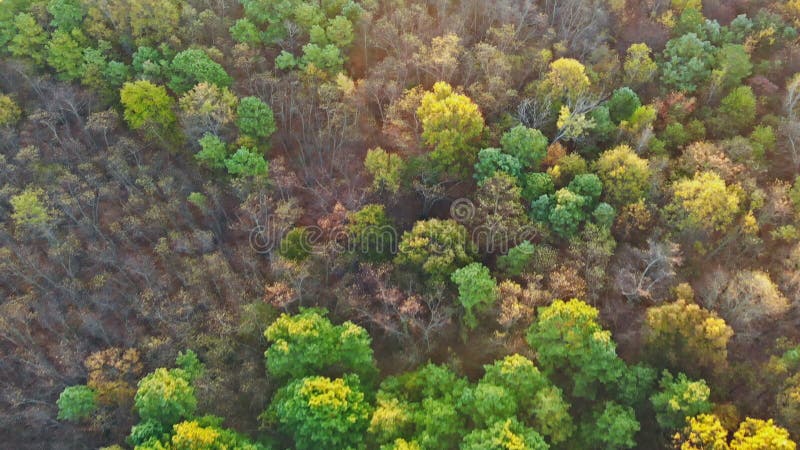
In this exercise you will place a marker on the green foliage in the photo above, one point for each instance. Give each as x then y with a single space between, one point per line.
193 66
537 184
528 145
371 233
763 140
67 14
452 125
247 162
76 403
386 169
296 244
30 209
245 32
10 112
604 215
622 104
254 118
687 62
309 344
517 259
587 185
477 290
678 399
733 65
567 212
492 160
436 248
319 412
146 105
65 54
638 66
327 58
190 366
615 427
165 396
625 176
569 341
29 39
507 434
213 151
737 112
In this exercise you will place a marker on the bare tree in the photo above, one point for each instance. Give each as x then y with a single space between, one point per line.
647 274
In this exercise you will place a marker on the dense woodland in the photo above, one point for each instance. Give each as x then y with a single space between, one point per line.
400 224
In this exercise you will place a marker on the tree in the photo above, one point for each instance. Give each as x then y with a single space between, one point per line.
499 220
567 212
165 396
29 40
10 112
536 184
625 176
206 108
639 67
146 105
452 125
704 432
371 235
504 435
703 202
517 259
193 66
733 65
254 118
213 152
687 62
76 403
435 247
567 78
748 299
492 160
245 31
477 290
756 434
30 209
247 162
386 169
528 145
67 14
65 54
684 336
309 344
570 345
327 58
737 112
319 412
679 399
616 427
622 104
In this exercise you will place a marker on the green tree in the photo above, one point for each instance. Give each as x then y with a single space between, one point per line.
737 111
319 412
570 345
528 145
517 259
245 32
309 344
703 202
165 396
213 152
687 62
327 58
10 112
29 39
193 66
625 176
684 336
246 162
477 290
296 244
622 104
537 184
386 169
678 399
371 233
30 209
452 125
492 160
567 212
147 105
615 427
435 247
733 65
65 54
638 66
505 434
76 403
67 14
254 118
